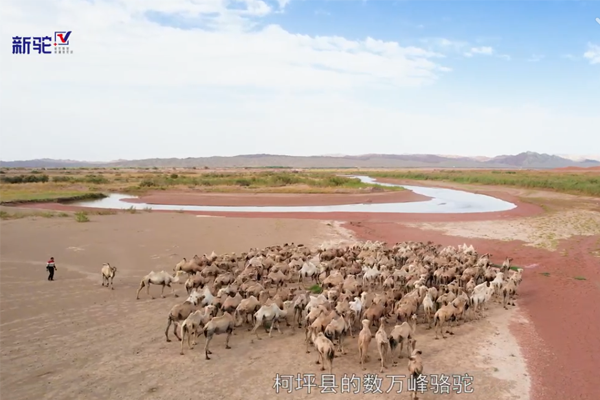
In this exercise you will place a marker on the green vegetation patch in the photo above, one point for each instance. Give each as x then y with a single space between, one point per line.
576 183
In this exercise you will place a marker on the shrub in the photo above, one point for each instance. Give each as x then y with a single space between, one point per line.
243 182
95 179
81 216
316 289
25 179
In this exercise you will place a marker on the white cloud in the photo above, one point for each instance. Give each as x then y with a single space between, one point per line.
113 43
535 58
444 44
593 53
485 50
232 85
283 3
456 46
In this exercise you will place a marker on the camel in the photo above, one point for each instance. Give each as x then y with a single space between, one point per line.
325 349
159 278
191 266
415 368
193 324
383 343
218 326
364 339
108 274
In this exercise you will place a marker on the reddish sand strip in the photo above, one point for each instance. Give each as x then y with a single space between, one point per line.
526 210
275 199
563 358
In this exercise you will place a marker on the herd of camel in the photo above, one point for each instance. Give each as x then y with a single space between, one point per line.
353 289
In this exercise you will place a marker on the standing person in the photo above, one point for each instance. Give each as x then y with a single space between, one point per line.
51 267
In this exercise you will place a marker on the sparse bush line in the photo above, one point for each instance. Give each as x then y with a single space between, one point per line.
317 182
5 215
8 215
50 197
64 185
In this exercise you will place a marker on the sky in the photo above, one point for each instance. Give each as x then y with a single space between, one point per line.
198 78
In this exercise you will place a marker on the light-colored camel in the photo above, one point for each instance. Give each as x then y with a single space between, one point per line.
383 342
108 274
271 314
364 339
429 308
217 326
337 329
159 278
325 349
415 368
193 324
446 314
192 266
180 312
404 334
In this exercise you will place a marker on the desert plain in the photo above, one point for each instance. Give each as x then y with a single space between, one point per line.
74 339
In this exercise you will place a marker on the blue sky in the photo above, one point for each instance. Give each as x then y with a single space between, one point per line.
210 77
527 31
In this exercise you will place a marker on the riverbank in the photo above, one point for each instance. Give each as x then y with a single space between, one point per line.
446 206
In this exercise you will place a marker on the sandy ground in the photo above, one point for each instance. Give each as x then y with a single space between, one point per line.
545 231
560 251
73 339
275 199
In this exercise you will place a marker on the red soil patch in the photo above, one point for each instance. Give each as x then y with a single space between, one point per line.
275 199
523 210
563 310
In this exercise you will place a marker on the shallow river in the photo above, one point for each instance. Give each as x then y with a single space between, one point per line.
445 201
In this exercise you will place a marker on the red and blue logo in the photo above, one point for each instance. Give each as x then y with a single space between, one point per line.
61 38
42 44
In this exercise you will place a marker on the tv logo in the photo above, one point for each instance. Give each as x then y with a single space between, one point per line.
42 44
61 38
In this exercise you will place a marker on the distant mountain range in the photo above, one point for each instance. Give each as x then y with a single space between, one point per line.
521 160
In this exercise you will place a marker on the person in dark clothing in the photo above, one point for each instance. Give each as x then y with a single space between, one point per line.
51 267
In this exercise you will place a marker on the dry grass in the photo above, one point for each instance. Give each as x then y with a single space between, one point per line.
5 215
19 185
31 213
43 192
